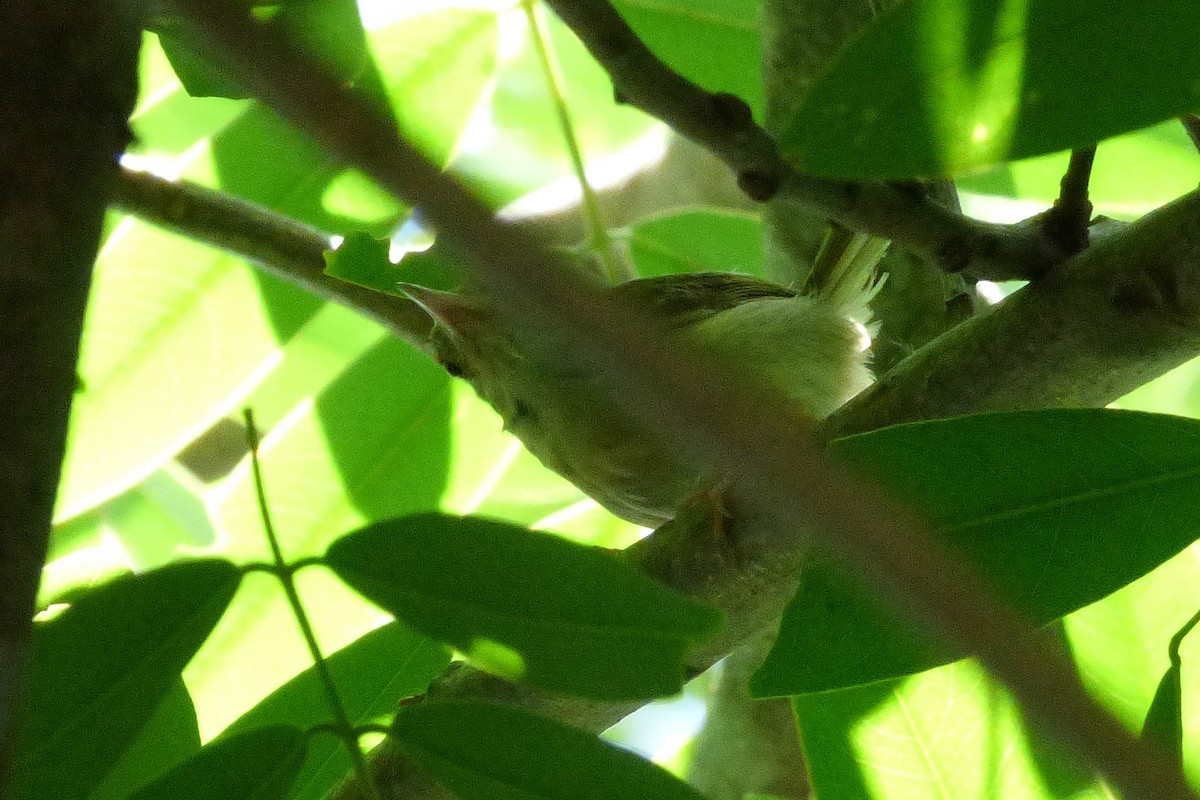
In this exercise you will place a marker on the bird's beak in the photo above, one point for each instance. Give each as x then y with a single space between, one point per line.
459 314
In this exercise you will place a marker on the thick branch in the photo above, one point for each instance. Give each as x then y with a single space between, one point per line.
1121 313
724 125
784 489
68 85
1124 312
748 746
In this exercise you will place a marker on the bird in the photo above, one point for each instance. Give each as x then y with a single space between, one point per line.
802 342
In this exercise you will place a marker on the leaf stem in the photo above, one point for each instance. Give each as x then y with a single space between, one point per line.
346 728
598 239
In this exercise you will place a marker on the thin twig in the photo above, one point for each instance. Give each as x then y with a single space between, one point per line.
344 726
1073 191
723 123
598 239
725 425
280 245
1066 223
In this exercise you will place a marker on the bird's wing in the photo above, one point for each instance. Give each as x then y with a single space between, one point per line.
683 300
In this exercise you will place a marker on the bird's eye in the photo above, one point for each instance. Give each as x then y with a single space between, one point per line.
455 369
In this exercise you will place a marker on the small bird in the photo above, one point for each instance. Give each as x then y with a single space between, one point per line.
804 344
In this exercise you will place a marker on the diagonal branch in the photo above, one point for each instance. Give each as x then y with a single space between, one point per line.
784 488
280 245
1083 341
724 124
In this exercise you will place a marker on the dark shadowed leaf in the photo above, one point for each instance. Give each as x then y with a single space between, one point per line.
168 738
936 87
258 765
103 667
525 605
328 29
1164 720
486 752
1056 509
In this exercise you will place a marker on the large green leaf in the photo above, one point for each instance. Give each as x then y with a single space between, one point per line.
436 69
948 733
486 752
259 765
1166 168
160 516
178 334
696 240
372 675
527 606
103 667
1123 644
327 29
937 87
375 442
951 730
712 42
169 738
1056 509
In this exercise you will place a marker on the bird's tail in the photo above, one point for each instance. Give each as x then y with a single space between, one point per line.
844 272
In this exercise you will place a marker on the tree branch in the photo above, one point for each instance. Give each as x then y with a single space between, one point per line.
280 245
724 125
784 491
748 746
1084 340
69 85
1119 314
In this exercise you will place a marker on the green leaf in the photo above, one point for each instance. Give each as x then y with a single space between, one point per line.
438 67
1166 168
372 675
948 733
1122 646
936 87
1164 719
374 443
327 29
1056 509
714 43
103 667
363 260
527 150
527 606
261 765
156 518
160 302
169 738
366 261
486 752
697 240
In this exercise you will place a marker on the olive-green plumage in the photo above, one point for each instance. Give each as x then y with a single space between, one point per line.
805 347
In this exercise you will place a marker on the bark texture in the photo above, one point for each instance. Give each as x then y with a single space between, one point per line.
68 80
